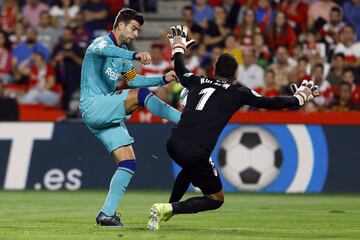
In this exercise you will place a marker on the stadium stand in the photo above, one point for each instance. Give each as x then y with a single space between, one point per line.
276 43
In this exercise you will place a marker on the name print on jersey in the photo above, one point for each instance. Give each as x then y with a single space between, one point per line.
216 82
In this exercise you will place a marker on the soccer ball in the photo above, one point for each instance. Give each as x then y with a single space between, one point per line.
250 158
183 97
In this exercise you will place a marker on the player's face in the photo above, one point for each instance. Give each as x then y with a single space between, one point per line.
129 31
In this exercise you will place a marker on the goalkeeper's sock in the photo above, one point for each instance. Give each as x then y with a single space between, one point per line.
181 185
157 106
118 184
195 204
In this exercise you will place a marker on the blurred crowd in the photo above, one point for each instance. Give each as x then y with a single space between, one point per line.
275 43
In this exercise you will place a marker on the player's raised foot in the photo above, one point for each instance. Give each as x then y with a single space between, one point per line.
108 221
159 212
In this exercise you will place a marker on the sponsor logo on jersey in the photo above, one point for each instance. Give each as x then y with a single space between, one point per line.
112 74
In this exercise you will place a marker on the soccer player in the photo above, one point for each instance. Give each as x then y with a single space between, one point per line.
210 104
105 108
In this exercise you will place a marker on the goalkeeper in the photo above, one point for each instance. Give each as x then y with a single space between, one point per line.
210 104
105 108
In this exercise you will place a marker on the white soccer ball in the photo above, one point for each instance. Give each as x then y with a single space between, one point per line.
250 158
183 97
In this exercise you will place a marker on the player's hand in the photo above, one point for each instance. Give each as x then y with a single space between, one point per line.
171 76
143 57
306 92
178 40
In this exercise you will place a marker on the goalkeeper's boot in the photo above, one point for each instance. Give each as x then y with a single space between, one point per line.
159 212
103 220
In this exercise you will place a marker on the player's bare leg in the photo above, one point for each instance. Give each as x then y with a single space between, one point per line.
164 211
142 97
125 159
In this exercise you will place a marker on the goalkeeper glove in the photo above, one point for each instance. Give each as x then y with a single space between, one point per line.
306 92
178 41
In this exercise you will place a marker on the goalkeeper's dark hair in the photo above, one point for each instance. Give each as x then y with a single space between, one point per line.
226 66
126 15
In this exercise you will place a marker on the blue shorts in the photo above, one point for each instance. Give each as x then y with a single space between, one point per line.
105 115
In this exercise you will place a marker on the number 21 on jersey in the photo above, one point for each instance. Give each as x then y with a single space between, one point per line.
206 93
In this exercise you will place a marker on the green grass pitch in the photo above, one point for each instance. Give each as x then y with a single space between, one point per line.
71 215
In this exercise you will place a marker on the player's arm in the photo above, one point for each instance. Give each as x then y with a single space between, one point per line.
186 77
252 98
179 44
306 92
134 80
101 47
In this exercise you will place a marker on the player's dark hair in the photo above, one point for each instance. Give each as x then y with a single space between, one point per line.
126 15
226 66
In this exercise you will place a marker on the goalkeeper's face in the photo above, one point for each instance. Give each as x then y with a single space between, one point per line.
130 31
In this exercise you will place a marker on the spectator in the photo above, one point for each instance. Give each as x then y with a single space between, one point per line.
296 12
23 52
64 12
350 77
319 13
19 34
31 12
269 89
250 74
349 47
262 51
304 69
232 47
96 16
314 51
192 61
282 66
195 31
207 63
344 103
310 107
324 86
217 30
330 31
81 34
202 13
352 16
297 52
67 58
158 65
247 29
47 34
334 76
42 82
5 57
264 14
281 33
9 15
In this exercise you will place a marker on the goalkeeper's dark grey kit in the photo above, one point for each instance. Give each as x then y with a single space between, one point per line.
210 105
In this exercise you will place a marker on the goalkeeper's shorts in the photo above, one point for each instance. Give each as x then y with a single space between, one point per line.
105 115
195 162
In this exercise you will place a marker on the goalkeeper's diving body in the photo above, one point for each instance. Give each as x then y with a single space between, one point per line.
210 104
105 108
